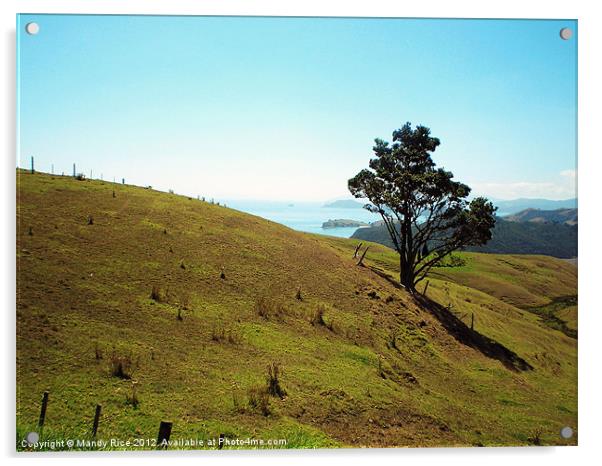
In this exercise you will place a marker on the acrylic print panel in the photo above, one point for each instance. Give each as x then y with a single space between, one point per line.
240 232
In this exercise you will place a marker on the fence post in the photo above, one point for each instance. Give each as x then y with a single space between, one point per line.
96 420
52 169
360 262
43 410
32 170
164 434
73 170
122 180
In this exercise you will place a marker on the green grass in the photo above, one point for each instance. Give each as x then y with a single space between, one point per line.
381 370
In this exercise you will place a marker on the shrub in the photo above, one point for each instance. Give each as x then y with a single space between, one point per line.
259 400
121 366
80 177
273 381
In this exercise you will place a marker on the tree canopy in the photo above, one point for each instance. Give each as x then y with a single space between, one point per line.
426 213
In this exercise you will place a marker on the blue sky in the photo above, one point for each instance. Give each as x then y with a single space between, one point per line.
287 109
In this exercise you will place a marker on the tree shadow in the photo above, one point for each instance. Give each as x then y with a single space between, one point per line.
464 334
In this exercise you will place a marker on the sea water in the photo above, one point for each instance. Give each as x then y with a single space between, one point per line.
305 216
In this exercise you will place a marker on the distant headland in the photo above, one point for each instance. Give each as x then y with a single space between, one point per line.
344 222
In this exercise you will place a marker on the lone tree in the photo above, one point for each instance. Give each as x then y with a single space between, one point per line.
425 211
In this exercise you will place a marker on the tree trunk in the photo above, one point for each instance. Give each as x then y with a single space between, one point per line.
406 275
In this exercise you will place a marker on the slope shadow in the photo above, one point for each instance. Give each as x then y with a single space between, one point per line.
464 334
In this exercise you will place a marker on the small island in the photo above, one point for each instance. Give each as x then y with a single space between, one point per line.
343 222
345 204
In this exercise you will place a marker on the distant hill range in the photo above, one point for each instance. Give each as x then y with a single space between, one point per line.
567 216
345 204
518 205
532 231
506 207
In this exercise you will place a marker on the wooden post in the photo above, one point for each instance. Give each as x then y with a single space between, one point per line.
96 419
122 180
164 434
43 410
32 170
472 321
426 287
363 255
73 170
357 249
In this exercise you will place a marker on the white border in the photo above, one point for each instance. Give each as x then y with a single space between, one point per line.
590 307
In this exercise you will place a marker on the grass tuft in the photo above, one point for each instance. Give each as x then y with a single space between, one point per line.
158 294
259 400
132 397
121 366
220 334
269 308
273 381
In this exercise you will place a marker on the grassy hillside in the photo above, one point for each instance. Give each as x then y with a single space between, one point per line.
188 302
509 237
